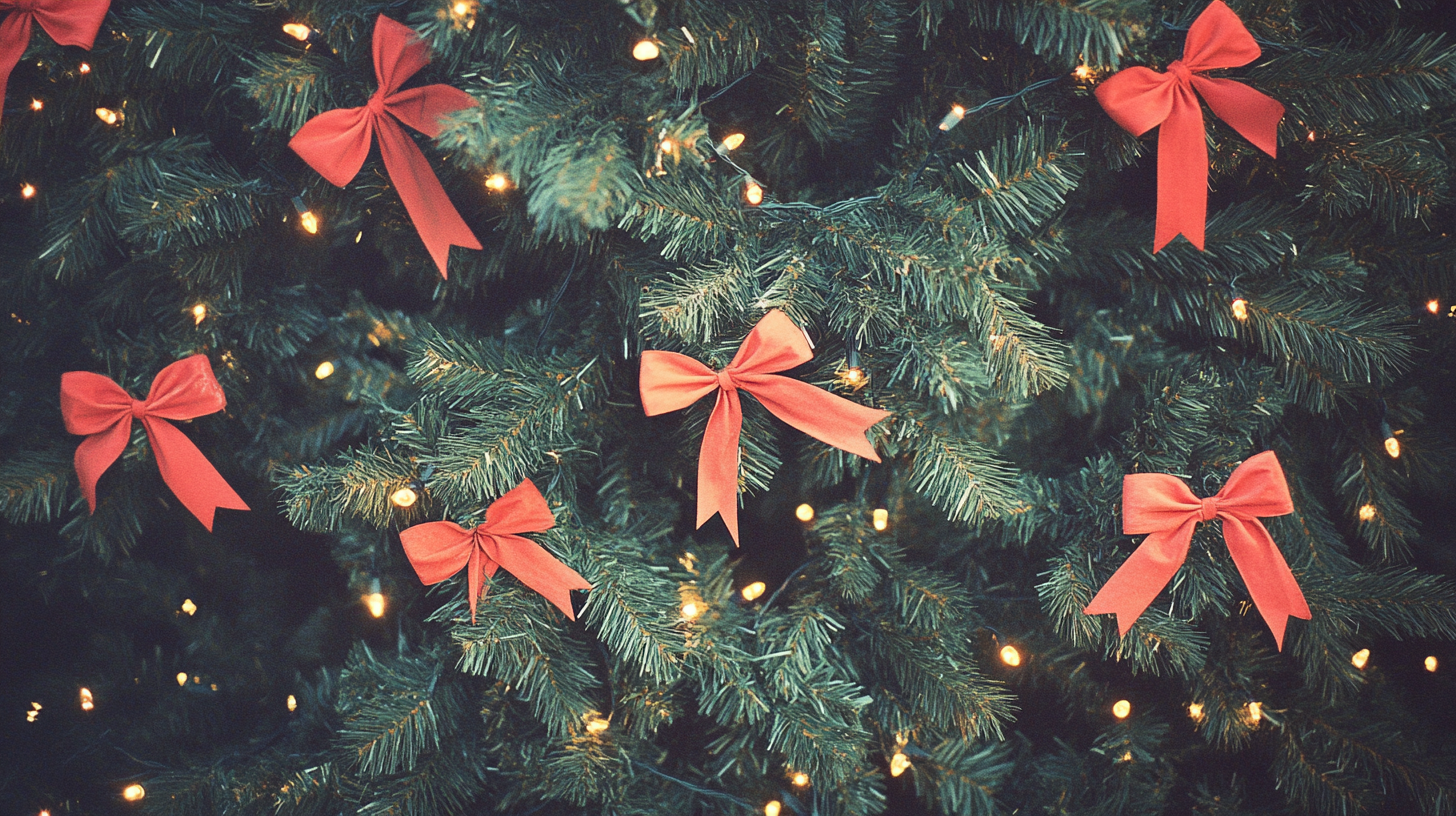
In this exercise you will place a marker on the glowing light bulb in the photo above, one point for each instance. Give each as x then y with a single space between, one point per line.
108 115
133 792
690 610
181 678
297 31
1195 710
497 182
1240 308
754 590
645 50
1360 658
1121 709
596 724
1432 663
880 518
1010 655
1311 136
772 807
957 113
899 763
189 607
854 377
44 813
375 602
292 703
1256 711
309 222
1366 512
752 193
667 146
324 370
404 497
804 512
800 779
84 68
27 190
199 314
1433 306
87 701
1392 447
732 141
461 8
36 104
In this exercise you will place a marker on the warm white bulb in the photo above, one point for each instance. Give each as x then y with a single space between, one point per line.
36 104
690 610
181 678
1392 447
84 68
189 607
881 519
404 497
87 701
1240 308
772 807
297 31
1010 655
645 50
108 115
1433 306
899 763
1256 711
732 141
375 602
1360 658
1195 710
497 182
133 792
752 193
754 590
199 314
324 370
1432 663
27 190
292 703
800 779
804 512
309 222
1121 709
1366 512
461 8
596 725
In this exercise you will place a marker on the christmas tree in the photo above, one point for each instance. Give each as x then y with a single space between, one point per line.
761 445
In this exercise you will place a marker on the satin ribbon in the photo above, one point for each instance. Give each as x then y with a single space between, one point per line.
1140 99
69 22
671 381
336 142
100 410
1162 506
440 549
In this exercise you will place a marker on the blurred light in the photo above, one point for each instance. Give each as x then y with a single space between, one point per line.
404 497
1311 136
957 113
1360 658
854 377
297 31
667 146
1121 709
1431 664
804 512
309 222
1392 447
27 190
1256 711
497 182
199 314
800 779
772 808
1082 72
732 141
133 792
690 610
1010 655
1367 512
645 50
596 724
461 8
754 590
752 193
36 104
189 607
375 602
181 678
1433 306
44 813
1240 308
324 370
292 703
85 68
1195 710
899 763
108 115
87 702
881 519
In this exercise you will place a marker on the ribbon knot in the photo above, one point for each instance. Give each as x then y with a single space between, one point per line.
69 22
440 549
1140 99
1162 506
671 381
99 409
336 142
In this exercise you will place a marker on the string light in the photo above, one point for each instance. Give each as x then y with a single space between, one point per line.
1256 711
957 113
899 763
880 518
85 68
375 599
1392 445
1366 512
1311 136
27 190
772 807
189 607
596 724
752 193
181 678
133 792
1431 664
306 218
854 377
800 779
297 31
1360 658
87 701
36 104
109 116
645 50
324 370
1433 306
1082 73
497 182
1240 308
690 610
404 497
33 713
199 314
1010 655
754 590
804 512
292 703
1121 709
1195 710
461 8
667 146
731 142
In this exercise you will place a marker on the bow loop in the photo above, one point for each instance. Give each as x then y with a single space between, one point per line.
1218 39
69 22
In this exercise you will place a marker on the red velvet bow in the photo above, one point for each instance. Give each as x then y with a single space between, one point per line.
336 142
1162 506
440 549
671 381
96 407
69 22
1140 99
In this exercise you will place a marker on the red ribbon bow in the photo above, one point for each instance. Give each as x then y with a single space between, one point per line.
440 549
1140 99
672 381
69 22
1162 506
336 142
99 409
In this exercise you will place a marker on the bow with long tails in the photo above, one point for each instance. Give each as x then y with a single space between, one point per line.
69 22
100 410
440 549
336 142
1160 505
672 381
1140 99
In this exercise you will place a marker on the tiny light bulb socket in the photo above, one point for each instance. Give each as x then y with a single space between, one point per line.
957 113
645 50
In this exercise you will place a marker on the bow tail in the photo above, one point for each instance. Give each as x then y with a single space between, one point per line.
97 452
718 463
1275 592
540 571
1182 173
479 569
192 478
435 218
827 417
14 39
1143 575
